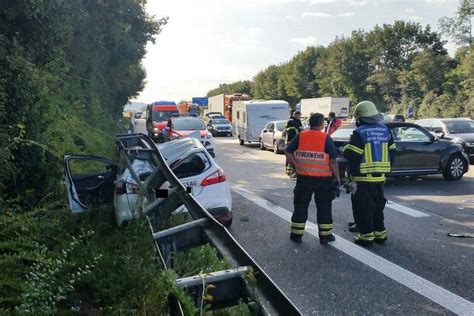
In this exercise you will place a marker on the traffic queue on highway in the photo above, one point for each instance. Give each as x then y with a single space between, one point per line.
186 140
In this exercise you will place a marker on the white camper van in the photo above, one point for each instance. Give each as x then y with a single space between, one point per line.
250 117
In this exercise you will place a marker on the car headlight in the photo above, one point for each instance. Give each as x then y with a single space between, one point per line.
156 129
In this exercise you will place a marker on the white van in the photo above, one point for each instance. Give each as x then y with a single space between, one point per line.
250 117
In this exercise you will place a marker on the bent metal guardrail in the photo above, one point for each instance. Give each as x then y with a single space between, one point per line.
230 286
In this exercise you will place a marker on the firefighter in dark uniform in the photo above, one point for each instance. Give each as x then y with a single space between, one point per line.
293 127
369 154
313 155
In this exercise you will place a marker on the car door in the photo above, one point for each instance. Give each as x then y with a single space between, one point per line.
417 150
269 138
265 133
209 126
90 181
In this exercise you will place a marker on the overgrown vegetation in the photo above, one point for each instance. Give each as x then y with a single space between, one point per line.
67 68
398 66
55 263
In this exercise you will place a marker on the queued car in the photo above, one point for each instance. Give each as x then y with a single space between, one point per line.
211 115
190 126
219 126
460 130
138 114
271 137
418 152
93 181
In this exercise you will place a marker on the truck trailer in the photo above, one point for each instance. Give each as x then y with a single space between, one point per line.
340 106
229 100
188 108
250 117
216 103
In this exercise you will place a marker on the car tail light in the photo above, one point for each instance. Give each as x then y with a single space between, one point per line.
125 188
216 177
120 188
132 188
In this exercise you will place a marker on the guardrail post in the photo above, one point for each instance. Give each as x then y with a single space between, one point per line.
229 286
219 289
180 238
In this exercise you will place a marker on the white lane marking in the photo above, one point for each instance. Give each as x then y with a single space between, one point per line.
406 210
435 293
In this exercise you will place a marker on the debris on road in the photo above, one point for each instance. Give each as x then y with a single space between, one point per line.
460 235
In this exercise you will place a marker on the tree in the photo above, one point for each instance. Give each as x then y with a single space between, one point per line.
230 88
266 83
300 78
459 28
343 69
68 68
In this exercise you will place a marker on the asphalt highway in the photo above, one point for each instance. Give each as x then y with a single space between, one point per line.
420 270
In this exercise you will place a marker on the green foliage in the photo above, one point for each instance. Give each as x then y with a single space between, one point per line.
460 27
398 66
235 87
199 260
52 279
67 69
55 263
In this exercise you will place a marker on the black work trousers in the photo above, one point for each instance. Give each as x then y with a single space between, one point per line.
368 204
323 196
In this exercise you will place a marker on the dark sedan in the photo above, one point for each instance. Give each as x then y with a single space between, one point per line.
460 130
219 126
418 152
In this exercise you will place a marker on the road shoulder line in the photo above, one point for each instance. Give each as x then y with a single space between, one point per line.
433 292
405 210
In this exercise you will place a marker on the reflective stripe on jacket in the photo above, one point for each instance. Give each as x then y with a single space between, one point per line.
310 157
375 161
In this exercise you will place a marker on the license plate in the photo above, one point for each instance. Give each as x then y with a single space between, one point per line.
190 184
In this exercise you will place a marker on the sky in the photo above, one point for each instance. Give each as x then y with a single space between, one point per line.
207 42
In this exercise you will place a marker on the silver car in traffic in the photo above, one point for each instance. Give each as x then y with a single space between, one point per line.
272 136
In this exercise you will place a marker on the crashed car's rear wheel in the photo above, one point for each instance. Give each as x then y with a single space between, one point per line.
228 223
454 168
241 141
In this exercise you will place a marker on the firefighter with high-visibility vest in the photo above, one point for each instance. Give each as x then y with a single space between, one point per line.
369 154
293 127
313 155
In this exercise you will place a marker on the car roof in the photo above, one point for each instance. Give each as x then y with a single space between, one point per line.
446 119
455 119
398 124
182 118
388 124
180 148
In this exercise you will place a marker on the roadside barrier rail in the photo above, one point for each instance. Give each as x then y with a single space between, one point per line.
229 287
